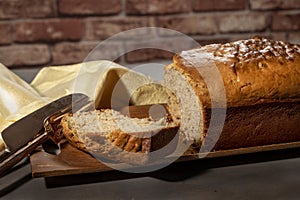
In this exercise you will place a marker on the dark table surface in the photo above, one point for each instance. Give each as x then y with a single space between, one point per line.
266 180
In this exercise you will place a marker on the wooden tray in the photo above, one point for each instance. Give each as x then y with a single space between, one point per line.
72 161
73 166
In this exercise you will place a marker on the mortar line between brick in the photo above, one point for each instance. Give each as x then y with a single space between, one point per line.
57 13
51 47
191 3
123 8
84 22
12 35
248 7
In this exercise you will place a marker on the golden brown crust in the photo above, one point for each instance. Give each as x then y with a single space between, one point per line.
261 124
133 144
253 71
71 133
121 140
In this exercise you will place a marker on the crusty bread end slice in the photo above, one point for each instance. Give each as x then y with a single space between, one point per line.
112 135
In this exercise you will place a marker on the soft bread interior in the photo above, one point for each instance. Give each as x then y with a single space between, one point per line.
111 133
184 105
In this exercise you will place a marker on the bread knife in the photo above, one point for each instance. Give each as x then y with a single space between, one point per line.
25 135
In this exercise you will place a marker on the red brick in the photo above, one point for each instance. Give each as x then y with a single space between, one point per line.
294 37
208 5
27 8
141 55
243 22
278 36
145 7
102 28
274 4
89 7
24 55
5 33
48 30
70 53
146 54
112 51
286 21
159 47
269 35
212 40
191 24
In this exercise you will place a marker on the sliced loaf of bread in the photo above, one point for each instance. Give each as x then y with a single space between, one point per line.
260 86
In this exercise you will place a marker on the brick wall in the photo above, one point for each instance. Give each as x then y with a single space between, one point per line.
36 33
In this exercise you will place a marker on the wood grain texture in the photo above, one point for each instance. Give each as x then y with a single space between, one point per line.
72 161
69 161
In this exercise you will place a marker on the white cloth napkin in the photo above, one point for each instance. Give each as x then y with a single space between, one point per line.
107 83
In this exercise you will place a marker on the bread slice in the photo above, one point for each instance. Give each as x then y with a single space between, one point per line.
259 75
111 135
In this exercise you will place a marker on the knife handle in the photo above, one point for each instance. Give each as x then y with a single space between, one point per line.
3 155
12 159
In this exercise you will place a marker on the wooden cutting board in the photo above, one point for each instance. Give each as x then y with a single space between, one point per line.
69 161
72 161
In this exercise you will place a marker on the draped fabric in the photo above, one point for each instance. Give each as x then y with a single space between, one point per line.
105 82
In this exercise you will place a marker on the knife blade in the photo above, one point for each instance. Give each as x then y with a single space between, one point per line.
26 134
